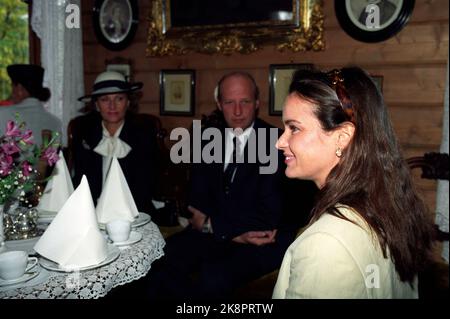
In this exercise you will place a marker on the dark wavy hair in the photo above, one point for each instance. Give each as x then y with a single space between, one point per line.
371 177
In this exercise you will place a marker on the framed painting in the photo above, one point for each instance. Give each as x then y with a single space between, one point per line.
230 26
177 92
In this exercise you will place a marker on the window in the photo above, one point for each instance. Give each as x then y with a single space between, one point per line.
14 43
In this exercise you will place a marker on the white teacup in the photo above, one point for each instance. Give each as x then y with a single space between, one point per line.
118 230
14 264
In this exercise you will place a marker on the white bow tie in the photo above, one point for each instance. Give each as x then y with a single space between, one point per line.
109 147
112 146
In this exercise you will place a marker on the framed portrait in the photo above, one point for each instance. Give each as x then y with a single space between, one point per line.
280 77
373 21
378 79
231 26
115 22
177 92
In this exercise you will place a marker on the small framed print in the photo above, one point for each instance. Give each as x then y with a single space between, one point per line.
373 21
177 92
280 78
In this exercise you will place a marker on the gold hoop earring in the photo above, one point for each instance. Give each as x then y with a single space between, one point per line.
338 152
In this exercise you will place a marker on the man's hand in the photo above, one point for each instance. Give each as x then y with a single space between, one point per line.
258 238
198 218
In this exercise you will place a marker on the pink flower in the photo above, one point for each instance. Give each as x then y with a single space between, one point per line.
12 129
26 168
10 148
51 155
27 137
6 162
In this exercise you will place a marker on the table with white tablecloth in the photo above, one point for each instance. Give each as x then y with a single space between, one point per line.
133 263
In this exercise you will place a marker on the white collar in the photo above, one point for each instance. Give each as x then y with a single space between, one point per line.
242 137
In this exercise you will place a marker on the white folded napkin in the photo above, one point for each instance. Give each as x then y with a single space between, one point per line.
73 238
116 200
58 189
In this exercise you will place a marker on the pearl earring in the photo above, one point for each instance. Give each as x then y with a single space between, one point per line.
338 152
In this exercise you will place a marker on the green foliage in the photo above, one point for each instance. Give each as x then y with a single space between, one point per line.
13 40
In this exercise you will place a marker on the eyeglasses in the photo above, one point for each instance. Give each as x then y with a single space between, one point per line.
337 84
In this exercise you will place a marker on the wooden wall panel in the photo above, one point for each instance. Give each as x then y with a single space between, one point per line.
413 65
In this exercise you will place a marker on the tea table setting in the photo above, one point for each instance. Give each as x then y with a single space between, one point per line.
82 250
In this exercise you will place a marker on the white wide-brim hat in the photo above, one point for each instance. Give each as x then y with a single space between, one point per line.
110 82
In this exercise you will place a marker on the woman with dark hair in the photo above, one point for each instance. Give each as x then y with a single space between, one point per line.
369 234
27 97
110 130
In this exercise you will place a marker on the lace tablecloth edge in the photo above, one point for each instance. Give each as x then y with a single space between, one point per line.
160 253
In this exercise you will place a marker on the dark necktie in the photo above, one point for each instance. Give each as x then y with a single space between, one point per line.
231 168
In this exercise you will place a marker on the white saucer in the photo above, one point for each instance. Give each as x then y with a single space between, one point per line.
134 238
27 276
46 213
112 254
45 216
141 220
45 220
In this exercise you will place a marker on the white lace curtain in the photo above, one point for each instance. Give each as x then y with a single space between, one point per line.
61 57
442 191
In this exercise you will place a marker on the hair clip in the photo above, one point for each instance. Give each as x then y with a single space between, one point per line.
337 84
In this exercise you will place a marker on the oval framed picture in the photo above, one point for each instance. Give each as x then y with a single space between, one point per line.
373 20
115 22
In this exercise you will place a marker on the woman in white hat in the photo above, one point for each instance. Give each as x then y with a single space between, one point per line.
109 130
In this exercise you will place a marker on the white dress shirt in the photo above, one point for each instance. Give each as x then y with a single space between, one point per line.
243 138
229 147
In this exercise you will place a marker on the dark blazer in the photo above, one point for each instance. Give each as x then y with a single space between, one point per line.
255 201
140 166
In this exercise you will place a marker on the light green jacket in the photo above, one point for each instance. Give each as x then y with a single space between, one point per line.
334 258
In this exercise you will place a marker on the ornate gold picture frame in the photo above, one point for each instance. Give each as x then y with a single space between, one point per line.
298 30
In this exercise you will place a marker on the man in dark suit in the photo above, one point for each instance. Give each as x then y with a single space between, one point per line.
237 229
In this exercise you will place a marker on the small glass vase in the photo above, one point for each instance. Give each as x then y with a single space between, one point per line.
19 222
